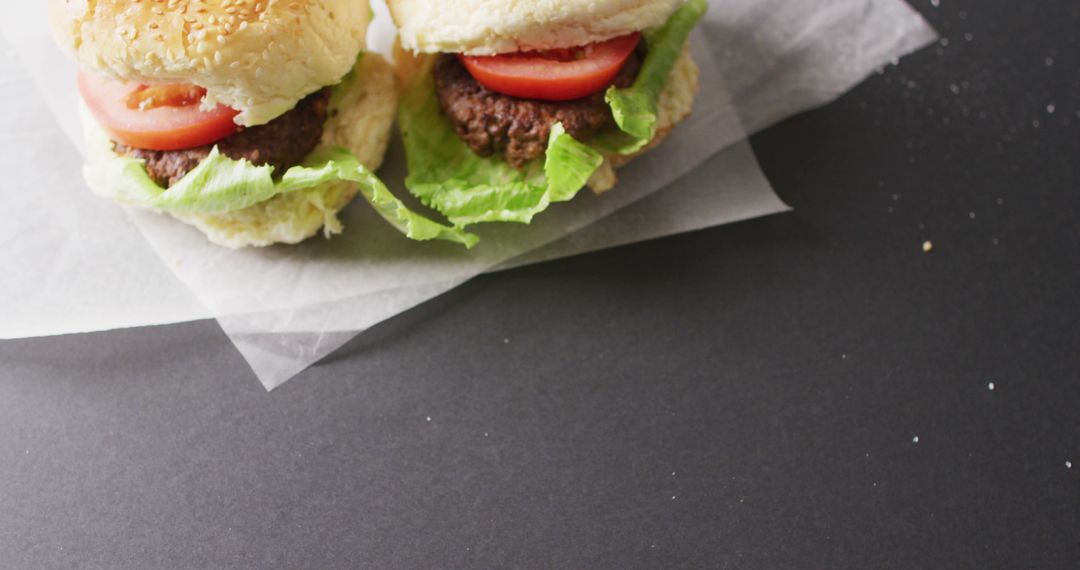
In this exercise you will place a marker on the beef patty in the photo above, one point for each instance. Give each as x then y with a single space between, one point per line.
493 123
282 143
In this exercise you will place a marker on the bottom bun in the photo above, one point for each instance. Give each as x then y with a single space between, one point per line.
286 218
675 104
362 122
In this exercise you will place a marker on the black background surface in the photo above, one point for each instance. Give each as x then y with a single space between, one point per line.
746 396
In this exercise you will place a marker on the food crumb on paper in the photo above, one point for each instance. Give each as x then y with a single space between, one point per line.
428 418
927 246
990 386
915 439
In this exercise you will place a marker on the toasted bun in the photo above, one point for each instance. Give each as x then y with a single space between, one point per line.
675 104
364 115
484 27
258 56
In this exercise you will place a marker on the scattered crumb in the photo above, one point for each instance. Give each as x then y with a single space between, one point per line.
971 215
915 439
927 246
990 386
428 418
506 341
1068 464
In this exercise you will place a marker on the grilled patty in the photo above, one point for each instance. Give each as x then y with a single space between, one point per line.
282 143
492 123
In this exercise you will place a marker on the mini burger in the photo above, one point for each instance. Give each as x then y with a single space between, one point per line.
512 106
255 121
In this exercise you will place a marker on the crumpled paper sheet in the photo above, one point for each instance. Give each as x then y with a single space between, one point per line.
287 307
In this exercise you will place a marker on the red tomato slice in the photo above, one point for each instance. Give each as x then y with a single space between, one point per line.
156 117
553 75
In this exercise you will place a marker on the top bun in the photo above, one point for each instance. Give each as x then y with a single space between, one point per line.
486 27
260 57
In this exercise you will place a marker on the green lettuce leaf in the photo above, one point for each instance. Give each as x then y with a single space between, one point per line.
447 176
220 184
634 107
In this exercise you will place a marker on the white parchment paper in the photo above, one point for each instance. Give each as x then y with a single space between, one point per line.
287 307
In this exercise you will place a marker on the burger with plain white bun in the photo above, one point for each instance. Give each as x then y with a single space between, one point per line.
512 106
255 121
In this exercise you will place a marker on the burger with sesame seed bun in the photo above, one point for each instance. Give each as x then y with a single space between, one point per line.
255 121
509 107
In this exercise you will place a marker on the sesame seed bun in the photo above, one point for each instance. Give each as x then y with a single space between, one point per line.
485 27
260 57
364 115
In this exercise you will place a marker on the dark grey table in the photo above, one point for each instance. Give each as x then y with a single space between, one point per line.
806 391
